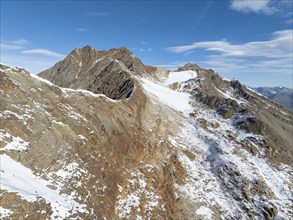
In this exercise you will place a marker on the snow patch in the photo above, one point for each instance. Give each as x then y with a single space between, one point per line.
176 100
229 95
58 122
82 138
180 77
4 213
40 79
69 171
4 135
16 144
204 211
8 114
87 93
71 112
136 190
19 179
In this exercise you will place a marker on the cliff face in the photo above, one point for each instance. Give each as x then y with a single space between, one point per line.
112 138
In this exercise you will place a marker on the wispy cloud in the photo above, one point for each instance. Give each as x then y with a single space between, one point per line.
140 49
43 52
20 42
14 45
279 46
257 6
273 57
172 66
145 49
205 10
290 21
80 29
35 65
144 42
96 14
5 46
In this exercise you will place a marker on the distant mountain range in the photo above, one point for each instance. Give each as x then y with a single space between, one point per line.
281 95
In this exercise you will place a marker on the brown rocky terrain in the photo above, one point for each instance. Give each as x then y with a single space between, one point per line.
112 138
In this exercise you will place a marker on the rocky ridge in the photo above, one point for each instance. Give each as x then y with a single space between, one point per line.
166 145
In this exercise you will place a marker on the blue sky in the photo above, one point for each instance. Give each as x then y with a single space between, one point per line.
250 40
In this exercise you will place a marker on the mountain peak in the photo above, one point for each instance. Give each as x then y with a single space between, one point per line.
96 71
90 49
87 47
189 66
122 50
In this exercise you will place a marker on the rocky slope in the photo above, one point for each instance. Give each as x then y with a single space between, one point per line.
169 145
281 95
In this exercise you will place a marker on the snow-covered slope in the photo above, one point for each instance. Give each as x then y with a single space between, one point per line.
19 179
184 145
223 174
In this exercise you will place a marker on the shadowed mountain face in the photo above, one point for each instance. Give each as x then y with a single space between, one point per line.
281 95
100 135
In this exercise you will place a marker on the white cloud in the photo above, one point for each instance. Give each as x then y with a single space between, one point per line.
4 46
290 21
145 49
173 65
144 42
96 14
279 46
43 52
272 57
20 42
35 65
206 9
256 6
13 45
81 29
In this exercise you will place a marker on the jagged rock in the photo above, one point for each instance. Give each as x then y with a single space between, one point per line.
270 212
189 66
225 107
189 154
113 83
228 108
254 151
